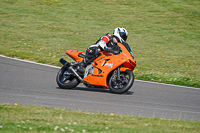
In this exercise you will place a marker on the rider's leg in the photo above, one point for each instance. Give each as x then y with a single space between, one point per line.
91 54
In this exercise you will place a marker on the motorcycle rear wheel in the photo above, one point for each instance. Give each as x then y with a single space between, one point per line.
124 84
65 79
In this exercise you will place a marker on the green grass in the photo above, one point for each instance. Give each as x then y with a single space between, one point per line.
163 34
14 118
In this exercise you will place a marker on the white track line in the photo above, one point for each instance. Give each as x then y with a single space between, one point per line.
30 62
135 80
167 84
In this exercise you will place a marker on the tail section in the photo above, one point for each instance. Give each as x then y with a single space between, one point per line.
76 55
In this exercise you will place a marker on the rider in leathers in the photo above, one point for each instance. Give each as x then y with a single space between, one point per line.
106 43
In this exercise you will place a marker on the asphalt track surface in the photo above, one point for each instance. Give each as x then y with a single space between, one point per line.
31 83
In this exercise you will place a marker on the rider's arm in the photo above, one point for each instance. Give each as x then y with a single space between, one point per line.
104 40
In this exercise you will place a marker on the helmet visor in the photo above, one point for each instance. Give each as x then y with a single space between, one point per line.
123 35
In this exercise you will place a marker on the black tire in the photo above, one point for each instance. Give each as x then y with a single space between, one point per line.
124 84
65 80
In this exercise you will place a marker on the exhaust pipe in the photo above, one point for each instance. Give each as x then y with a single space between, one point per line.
76 74
68 66
65 63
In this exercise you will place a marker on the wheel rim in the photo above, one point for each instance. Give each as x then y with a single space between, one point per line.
66 77
121 83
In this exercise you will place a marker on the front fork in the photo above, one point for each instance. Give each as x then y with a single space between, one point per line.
118 73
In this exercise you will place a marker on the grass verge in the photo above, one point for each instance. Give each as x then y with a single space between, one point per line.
14 118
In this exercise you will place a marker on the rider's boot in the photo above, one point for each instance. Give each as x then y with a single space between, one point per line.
81 66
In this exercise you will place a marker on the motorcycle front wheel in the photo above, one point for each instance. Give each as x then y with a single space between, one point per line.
65 79
123 84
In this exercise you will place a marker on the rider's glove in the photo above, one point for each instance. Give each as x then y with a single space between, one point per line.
109 50
115 52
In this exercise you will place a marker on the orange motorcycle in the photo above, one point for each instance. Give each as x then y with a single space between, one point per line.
107 71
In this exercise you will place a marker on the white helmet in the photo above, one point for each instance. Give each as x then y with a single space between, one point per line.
121 34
